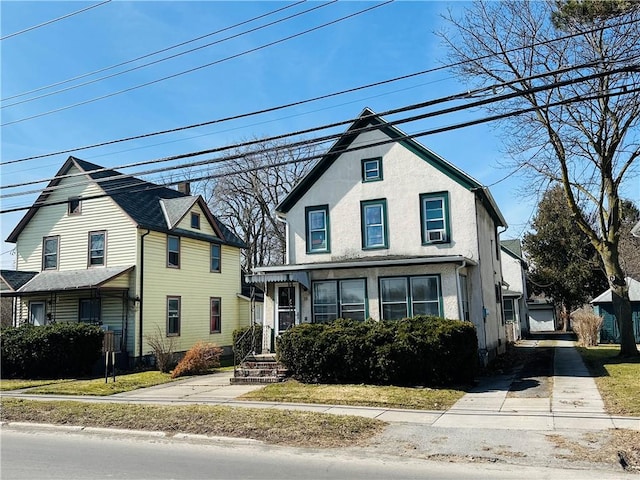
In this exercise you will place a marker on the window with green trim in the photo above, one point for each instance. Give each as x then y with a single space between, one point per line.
372 169
317 226
434 213
373 214
402 297
339 299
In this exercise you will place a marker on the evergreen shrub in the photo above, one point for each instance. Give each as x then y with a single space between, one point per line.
422 350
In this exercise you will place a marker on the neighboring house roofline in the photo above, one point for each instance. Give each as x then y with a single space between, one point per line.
515 256
365 121
14 279
634 293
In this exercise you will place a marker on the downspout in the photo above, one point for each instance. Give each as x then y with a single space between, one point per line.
460 308
286 237
141 291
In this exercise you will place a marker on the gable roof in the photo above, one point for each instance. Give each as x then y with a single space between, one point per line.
14 279
139 199
634 293
514 247
368 120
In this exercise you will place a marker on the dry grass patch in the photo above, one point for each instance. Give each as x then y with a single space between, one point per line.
97 386
618 379
602 447
300 429
292 391
18 384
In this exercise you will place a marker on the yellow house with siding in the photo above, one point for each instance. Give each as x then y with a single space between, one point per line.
137 258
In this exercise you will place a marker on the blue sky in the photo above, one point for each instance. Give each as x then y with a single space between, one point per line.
389 41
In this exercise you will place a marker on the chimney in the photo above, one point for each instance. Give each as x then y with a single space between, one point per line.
184 187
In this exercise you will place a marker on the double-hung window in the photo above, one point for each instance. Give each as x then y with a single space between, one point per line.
50 251
216 315
509 310
216 259
173 316
339 299
173 251
89 310
97 249
373 215
372 169
317 223
402 297
434 217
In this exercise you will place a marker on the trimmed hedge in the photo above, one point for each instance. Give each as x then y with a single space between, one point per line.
421 350
245 346
59 350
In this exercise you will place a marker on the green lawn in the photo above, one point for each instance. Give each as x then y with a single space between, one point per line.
359 395
618 379
17 384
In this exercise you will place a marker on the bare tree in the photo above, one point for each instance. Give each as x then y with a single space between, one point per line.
249 187
582 136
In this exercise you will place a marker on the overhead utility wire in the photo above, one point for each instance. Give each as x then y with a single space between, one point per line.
457 96
138 67
149 186
326 138
191 70
53 20
301 102
157 52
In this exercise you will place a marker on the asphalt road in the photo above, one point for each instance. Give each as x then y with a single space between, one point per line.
32 453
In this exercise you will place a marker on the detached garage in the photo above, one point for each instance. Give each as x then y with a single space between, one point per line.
603 306
542 317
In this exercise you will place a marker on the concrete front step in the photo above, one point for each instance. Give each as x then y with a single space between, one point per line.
253 380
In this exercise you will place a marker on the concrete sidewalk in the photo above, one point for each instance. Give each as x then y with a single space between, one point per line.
574 403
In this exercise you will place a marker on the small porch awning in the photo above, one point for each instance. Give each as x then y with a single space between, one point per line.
58 281
300 277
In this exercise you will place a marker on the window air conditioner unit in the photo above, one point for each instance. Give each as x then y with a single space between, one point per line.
436 236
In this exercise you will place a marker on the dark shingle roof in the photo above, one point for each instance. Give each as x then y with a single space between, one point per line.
16 279
514 246
52 280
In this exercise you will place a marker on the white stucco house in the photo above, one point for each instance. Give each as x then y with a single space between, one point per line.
384 228
514 289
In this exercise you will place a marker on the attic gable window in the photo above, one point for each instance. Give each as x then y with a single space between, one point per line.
372 169
195 220
434 213
74 206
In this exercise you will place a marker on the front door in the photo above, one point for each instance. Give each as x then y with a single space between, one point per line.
36 313
286 308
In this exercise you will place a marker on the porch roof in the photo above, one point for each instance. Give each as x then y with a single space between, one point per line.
14 279
280 277
55 281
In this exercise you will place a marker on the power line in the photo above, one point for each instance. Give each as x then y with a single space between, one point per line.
149 186
623 91
457 96
142 57
313 99
53 20
191 70
231 37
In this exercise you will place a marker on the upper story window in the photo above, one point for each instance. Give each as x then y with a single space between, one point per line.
50 253
173 316
509 310
434 217
173 251
195 220
97 248
402 297
75 206
317 223
372 169
373 214
216 258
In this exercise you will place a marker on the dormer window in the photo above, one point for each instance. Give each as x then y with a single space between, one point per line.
75 206
372 169
195 221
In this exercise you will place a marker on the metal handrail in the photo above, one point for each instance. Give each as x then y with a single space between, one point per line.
238 342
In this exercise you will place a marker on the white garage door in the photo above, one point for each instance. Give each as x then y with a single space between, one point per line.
541 320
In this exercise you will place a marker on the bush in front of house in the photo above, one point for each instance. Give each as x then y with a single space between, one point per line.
422 350
586 324
59 350
247 340
198 360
